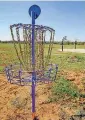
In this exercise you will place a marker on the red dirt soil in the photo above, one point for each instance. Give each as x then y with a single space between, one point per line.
15 101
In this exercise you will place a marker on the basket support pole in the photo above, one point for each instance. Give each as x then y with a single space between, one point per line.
33 65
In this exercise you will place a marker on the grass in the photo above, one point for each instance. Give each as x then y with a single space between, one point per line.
7 55
64 89
72 61
64 60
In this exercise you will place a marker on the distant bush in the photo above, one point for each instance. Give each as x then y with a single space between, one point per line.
64 89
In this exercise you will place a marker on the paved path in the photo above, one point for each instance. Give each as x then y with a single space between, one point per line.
73 50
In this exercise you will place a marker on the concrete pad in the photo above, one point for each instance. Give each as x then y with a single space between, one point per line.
73 50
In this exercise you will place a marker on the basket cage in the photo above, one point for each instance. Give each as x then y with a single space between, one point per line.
22 39
16 75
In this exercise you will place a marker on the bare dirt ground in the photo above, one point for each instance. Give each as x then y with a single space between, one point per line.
15 101
73 50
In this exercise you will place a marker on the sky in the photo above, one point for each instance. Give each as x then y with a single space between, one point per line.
67 18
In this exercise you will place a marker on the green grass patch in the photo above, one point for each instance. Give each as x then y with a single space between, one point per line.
64 89
69 61
65 61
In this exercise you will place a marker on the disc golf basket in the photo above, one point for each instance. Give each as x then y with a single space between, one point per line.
33 54
75 43
64 38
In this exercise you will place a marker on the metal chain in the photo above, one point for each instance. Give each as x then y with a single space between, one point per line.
24 48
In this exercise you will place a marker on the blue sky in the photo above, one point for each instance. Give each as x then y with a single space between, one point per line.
67 18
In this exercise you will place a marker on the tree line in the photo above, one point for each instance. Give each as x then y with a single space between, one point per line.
55 42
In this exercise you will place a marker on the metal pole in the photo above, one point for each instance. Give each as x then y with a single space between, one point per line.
33 65
62 44
34 12
75 43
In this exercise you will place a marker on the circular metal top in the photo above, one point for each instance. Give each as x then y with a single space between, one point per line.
36 9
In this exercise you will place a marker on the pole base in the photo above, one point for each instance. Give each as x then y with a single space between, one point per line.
36 118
